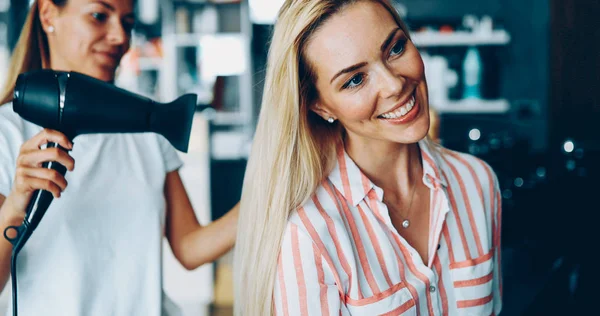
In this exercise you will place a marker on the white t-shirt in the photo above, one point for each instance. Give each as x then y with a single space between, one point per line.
98 249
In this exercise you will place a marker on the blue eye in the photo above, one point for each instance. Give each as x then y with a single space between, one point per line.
354 82
398 48
101 17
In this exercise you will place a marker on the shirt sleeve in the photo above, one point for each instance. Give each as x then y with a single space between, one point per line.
496 239
305 284
169 155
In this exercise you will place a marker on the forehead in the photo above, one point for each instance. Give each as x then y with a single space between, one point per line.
122 6
351 36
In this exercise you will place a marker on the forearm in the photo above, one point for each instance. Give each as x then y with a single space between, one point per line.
208 243
5 245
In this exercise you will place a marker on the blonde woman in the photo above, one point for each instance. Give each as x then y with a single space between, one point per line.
347 207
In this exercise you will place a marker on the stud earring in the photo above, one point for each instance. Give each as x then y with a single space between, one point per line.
51 29
331 120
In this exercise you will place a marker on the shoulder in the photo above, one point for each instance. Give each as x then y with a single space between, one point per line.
468 170
7 115
320 217
14 129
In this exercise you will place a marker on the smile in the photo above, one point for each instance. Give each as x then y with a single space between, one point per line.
400 111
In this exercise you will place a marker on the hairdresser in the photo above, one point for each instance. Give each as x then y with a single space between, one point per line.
98 249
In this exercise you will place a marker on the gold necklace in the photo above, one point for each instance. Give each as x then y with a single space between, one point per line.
406 221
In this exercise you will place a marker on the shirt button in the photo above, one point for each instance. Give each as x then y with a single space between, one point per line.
432 289
439 246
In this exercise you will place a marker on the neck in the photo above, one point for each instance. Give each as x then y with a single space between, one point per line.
395 168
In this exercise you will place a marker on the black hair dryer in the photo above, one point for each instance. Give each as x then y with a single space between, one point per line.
75 104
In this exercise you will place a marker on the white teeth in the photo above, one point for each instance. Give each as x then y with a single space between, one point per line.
403 110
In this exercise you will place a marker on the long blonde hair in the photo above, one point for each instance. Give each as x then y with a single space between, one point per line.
31 51
292 152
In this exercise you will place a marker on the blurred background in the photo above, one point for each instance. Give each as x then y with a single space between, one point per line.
514 82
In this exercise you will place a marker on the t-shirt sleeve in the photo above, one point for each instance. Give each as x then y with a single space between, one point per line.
170 156
7 165
10 144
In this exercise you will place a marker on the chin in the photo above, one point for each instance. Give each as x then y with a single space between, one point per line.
416 132
103 74
414 136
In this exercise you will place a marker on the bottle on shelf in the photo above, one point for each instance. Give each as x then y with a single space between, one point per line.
472 74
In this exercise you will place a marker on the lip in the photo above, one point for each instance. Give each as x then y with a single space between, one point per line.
410 116
113 57
400 104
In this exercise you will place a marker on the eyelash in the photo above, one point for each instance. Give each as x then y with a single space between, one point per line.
347 85
402 43
102 17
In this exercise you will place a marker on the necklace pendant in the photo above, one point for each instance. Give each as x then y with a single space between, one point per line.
405 223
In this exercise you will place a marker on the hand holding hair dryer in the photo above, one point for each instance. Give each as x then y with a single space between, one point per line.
76 104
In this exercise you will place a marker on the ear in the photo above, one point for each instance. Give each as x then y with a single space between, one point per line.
48 12
322 111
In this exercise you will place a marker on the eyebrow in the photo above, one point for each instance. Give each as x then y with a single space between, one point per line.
384 46
389 39
111 8
348 69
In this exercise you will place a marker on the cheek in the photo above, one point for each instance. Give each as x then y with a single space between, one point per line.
356 107
415 68
74 44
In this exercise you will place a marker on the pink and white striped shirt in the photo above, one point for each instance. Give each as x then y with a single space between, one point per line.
341 255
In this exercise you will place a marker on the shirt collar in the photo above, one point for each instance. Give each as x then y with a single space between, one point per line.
352 183
431 154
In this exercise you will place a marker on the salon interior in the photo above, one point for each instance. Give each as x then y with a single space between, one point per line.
514 82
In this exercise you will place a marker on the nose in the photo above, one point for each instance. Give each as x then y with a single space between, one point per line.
390 83
117 34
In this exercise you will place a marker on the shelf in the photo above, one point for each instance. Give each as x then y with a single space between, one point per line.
149 63
460 38
204 2
187 39
225 118
229 118
193 39
229 145
474 106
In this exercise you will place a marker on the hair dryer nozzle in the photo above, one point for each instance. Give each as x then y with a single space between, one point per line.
174 120
41 107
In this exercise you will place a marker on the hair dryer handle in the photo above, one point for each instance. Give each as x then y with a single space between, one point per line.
41 199
38 204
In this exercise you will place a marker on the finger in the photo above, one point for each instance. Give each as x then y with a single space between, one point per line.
47 136
45 174
30 184
35 158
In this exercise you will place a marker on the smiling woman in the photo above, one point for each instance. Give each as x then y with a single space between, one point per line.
87 36
347 207
94 35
